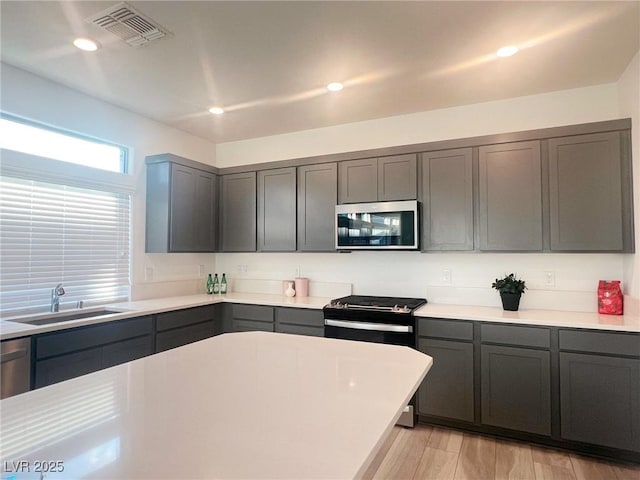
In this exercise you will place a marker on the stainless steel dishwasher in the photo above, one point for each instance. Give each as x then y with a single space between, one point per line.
15 362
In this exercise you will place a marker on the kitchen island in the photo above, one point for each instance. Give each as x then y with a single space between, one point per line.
242 405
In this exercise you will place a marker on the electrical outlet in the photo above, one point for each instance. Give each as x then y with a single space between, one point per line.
201 270
148 274
550 278
446 276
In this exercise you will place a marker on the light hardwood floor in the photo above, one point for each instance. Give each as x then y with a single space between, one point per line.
437 453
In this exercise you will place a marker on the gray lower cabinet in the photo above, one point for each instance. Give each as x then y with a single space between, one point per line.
378 179
600 388
69 353
516 388
447 390
588 178
317 198
238 212
247 318
181 327
447 200
600 400
277 210
510 197
182 208
299 321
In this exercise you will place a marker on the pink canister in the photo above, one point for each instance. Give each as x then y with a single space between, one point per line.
302 287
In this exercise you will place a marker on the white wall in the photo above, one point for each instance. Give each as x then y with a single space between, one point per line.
35 98
629 104
412 273
582 105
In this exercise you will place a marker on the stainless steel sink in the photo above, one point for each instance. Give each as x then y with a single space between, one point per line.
46 319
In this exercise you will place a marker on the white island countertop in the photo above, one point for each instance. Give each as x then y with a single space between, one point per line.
252 405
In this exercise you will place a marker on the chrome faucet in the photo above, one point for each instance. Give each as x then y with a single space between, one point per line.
56 293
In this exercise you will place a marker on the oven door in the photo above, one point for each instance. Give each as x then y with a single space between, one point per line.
369 332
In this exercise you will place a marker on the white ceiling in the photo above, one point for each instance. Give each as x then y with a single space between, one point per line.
267 62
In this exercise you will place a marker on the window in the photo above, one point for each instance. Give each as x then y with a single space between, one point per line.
63 223
44 142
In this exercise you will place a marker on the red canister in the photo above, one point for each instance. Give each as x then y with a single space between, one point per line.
610 298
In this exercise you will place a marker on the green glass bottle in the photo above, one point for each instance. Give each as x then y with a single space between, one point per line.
209 285
216 284
223 285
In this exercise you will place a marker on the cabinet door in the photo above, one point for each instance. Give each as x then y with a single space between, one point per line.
397 177
277 210
600 400
205 212
447 390
358 180
181 223
317 199
585 193
239 212
447 200
65 367
516 388
510 197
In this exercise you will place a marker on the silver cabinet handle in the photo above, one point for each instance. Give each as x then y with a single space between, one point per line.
8 356
380 327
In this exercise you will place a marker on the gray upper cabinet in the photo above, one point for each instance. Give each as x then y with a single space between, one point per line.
317 198
447 200
277 210
397 178
378 179
358 180
182 208
238 212
510 190
586 193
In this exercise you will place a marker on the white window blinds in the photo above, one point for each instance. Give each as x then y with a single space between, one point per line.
52 234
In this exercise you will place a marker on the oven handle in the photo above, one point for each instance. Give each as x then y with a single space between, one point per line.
380 327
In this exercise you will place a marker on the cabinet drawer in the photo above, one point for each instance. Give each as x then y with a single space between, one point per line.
251 326
127 351
600 342
515 335
300 316
71 340
453 329
65 367
182 318
308 330
182 336
252 312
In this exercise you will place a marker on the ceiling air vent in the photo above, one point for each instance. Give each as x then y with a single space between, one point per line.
128 24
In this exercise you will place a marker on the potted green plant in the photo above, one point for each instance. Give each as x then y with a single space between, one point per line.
511 289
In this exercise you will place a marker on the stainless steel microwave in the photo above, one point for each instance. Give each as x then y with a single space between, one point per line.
377 226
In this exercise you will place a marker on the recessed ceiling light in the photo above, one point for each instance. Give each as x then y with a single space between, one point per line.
335 87
216 110
86 44
507 51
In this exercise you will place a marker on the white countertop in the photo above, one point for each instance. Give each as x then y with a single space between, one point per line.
547 318
241 405
9 329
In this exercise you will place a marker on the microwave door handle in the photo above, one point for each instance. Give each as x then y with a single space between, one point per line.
379 327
